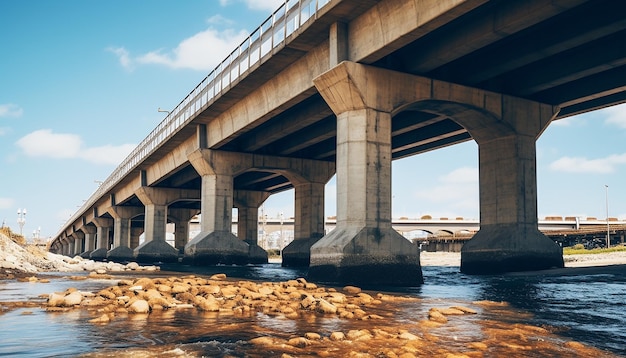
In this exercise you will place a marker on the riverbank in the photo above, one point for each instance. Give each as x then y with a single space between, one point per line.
577 260
25 261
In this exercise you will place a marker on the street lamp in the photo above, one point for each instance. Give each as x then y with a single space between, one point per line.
21 218
280 246
608 233
163 111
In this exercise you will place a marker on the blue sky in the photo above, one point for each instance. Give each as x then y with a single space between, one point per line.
81 81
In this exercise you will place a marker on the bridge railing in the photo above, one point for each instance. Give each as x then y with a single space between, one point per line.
289 17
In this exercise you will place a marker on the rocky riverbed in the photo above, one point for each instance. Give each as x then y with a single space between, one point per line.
331 321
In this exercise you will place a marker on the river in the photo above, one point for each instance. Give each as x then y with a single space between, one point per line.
586 306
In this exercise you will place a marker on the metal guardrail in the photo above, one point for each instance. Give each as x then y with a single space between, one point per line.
272 33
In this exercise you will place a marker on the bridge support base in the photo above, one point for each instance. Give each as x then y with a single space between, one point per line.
98 255
222 248
508 248
155 251
86 254
366 256
121 254
298 253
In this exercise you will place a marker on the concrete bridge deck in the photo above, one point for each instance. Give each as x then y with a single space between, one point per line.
343 87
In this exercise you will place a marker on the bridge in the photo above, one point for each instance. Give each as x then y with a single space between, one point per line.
343 87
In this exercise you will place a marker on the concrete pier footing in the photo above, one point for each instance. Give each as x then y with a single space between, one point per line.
155 251
366 256
98 254
499 249
120 254
210 248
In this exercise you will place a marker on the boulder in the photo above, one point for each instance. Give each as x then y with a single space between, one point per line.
139 306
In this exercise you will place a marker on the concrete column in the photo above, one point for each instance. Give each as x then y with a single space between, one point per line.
103 225
79 238
509 238
363 248
338 43
135 233
181 217
247 204
90 240
71 244
122 216
216 243
65 246
309 221
155 248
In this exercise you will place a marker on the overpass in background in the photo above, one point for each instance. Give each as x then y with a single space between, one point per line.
344 87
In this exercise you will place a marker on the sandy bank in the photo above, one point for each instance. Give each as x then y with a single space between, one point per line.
586 260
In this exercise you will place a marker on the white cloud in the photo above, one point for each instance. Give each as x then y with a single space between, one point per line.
6 203
269 5
124 57
10 110
616 116
461 175
219 20
45 143
584 165
202 51
458 190
108 154
264 5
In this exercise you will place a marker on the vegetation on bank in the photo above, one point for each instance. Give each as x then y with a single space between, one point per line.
16 238
579 249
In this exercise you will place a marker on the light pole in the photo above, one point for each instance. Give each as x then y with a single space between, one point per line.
608 232
163 111
280 245
21 218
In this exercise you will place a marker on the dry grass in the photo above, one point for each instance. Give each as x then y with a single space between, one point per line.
18 239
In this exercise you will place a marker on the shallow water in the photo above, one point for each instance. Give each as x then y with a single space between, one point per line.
587 308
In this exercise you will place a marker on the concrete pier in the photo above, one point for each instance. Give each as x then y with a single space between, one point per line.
509 238
364 248
309 216
155 248
216 243
122 216
103 226
89 232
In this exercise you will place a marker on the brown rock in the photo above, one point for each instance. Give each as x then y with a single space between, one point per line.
437 316
359 335
337 336
325 307
312 336
299 342
352 290
262 341
139 306
73 299
464 309
308 302
56 300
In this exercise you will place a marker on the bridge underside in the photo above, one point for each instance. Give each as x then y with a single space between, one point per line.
497 72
